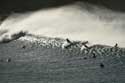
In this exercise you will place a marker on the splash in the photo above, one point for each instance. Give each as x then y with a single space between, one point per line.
76 22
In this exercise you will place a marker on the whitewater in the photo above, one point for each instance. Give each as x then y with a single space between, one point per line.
78 21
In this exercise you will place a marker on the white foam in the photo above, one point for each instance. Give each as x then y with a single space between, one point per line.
73 22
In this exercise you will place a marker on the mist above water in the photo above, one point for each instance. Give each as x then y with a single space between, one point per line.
76 22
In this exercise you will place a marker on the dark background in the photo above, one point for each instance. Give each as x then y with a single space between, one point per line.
7 6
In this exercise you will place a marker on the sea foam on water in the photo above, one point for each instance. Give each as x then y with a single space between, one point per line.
97 25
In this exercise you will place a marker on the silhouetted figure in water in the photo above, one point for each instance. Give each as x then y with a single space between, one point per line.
101 65
116 45
84 45
115 48
8 60
85 58
68 40
23 46
67 44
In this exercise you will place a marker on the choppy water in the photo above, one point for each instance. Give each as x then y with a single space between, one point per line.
42 60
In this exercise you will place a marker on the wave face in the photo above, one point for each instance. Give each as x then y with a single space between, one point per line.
78 21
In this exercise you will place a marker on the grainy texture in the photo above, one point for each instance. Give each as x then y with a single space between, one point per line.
42 60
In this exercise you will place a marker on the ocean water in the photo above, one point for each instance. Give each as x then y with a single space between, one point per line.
42 60
33 59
